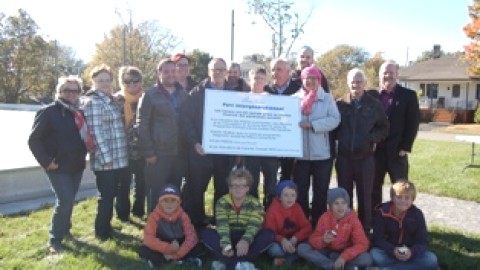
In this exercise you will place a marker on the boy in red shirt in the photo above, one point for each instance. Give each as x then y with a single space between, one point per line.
339 240
286 219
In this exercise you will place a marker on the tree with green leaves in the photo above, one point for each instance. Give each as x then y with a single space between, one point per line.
145 45
285 20
30 64
371 68
337 62
199 64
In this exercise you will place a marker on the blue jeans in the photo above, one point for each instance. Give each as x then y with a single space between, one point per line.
65 187
276 250
425 261
107 182
325 258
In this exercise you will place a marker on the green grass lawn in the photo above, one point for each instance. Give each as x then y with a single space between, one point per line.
436 167
23 245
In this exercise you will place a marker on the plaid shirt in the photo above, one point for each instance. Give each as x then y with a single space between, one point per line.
105 121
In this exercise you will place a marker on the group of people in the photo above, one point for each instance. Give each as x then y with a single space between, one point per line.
154 137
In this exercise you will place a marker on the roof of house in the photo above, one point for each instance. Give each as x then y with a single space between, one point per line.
445 68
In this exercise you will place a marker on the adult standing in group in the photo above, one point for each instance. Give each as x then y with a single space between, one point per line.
306 59
235 80
160 139
202 166
363 124
58 141
182 64
110 158
319 116
130 80
283 84
254 164
401 107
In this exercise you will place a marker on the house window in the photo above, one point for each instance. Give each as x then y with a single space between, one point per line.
432 90
477 94
456 91
422 88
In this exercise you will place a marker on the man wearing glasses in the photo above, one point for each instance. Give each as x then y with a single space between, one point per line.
202 166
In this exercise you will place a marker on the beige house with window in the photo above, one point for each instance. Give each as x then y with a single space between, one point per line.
444 88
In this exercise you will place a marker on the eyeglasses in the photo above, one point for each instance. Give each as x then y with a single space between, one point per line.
71 91
218 69
182 65
103 81
131 81
238 186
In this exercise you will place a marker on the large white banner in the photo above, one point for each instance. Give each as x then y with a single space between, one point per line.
246 124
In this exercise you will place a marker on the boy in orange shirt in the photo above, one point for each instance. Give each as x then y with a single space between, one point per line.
339 240
169 236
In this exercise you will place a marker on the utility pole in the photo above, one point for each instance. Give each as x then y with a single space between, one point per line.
232 33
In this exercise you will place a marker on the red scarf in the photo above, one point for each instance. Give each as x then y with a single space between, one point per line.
307 101
82 127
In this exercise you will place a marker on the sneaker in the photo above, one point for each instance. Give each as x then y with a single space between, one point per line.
218 265
277 261
150 264
55 248
245 266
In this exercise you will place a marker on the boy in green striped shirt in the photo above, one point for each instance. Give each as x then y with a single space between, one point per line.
239 237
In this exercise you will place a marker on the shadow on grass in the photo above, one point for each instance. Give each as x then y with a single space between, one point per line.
455 250
119 257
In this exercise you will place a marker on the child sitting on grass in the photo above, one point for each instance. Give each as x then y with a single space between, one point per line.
169 236
400 234
339 240
286 219
238 239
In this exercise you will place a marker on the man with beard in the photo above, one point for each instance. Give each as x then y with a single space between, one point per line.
234 79
159 136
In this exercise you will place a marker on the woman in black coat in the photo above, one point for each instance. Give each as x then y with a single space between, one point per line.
59 142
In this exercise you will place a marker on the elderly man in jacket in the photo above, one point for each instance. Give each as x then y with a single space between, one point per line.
363 124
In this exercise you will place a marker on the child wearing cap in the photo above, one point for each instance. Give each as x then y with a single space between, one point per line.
239 238
400 234
339 240
286 219
169 236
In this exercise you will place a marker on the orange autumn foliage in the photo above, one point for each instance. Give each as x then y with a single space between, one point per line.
472 31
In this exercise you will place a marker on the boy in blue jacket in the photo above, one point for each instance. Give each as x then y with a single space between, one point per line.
400 234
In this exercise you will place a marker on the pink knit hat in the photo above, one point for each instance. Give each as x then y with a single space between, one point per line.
311 70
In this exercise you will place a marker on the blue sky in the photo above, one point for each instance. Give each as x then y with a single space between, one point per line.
392 27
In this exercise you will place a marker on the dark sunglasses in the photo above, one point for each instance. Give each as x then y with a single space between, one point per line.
131 81
74 91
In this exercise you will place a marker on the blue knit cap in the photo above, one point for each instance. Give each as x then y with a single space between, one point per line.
283 184
336 193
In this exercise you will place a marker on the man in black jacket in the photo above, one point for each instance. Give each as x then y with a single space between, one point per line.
363 124
203 166
401 107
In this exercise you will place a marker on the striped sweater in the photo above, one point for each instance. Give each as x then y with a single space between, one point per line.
248 219
350 241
